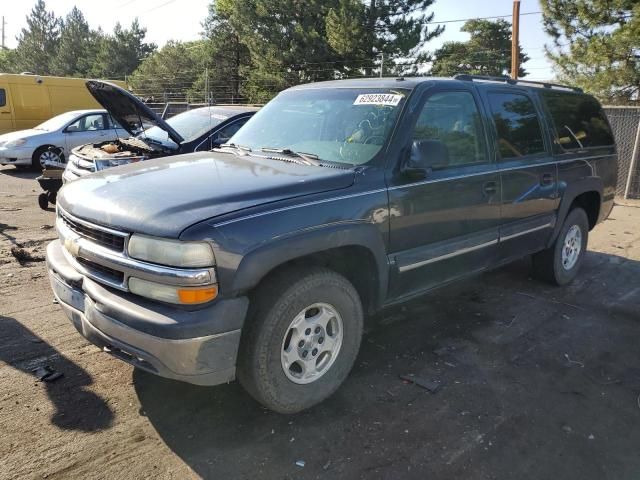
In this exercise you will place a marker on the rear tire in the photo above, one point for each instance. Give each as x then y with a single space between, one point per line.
560 263
298 310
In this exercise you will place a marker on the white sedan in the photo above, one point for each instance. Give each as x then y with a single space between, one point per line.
63 132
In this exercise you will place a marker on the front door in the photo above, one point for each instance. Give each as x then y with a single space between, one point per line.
91 128
527 171
6 117
445 225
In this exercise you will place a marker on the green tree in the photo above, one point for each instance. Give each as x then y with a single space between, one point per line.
38 42
7 61
120 54
77 47
487 52
596 45
225 57
397 29
169 72
286 41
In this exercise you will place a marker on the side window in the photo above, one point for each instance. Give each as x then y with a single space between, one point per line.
450 122
578 120
517 124
224 134
3 97
87 123
114 124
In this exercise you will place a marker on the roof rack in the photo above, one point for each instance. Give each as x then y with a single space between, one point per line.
505 79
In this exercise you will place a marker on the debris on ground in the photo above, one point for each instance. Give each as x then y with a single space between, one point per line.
23 256
46 374
300 463
46 227
432 386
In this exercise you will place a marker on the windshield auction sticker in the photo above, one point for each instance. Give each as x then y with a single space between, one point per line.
378 99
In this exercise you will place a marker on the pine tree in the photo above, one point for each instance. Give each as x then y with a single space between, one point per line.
487 52
38 42
397 29
120 54
77 47
596 45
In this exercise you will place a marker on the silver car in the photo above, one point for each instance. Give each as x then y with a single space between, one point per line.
63 132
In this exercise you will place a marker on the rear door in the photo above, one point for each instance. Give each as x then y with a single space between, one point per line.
445 225
528 173
6 118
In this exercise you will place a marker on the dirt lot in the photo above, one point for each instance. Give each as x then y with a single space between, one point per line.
536 382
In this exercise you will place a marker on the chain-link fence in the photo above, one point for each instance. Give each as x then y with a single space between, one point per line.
625 122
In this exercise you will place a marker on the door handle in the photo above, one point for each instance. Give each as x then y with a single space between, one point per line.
546 179
490 188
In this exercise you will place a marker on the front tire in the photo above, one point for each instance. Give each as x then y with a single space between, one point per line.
43 154
560 263
301 338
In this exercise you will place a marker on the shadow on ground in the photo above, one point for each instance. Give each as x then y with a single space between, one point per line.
15 172
76 407
536 382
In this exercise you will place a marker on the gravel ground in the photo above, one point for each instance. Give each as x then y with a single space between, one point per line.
534 382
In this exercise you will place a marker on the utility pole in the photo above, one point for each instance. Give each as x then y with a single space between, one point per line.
3 22
381 64
515 43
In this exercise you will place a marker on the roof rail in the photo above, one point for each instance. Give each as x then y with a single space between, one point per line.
505 79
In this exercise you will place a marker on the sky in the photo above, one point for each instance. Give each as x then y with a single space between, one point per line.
180 20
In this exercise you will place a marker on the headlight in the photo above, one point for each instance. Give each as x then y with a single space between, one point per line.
174 253
172 294
15 143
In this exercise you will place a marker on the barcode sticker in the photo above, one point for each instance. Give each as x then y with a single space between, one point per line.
378 99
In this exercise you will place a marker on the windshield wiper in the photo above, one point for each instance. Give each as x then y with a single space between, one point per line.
309 158
235 146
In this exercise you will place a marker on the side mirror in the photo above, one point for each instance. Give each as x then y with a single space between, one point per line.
71 129
425 155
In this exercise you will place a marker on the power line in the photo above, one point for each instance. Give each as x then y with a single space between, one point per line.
459 20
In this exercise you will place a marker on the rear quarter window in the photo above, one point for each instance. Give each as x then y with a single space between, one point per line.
579 121
3 97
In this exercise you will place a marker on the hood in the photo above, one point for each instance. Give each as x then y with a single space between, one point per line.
128 110
164 196
9 137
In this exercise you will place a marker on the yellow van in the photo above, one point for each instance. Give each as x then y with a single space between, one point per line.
28 100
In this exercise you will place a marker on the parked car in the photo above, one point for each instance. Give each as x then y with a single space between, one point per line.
260 259
150 136
27 100
33 147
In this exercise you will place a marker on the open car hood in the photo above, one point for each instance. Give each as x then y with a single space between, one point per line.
128 110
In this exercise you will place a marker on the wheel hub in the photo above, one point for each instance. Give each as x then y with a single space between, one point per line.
311 343
571 247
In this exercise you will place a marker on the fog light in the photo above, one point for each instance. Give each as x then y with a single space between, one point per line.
172 294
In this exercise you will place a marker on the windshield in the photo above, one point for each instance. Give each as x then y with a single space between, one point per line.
190 124
57 122
345 125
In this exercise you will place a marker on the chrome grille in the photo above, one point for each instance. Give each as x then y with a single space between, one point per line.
109 274
97 235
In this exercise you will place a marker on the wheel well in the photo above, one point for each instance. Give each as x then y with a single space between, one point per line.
45 147
590 203
357 264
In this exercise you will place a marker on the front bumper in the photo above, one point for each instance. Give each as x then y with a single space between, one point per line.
15 155
194 346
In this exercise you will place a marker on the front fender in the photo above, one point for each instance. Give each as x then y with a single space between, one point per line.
257 263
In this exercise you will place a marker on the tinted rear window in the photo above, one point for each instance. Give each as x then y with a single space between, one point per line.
3 97
517 125
578 120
